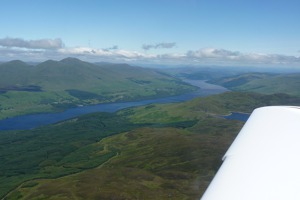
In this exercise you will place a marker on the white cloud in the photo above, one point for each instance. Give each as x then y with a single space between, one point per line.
238 58
32 44
41 50
93 54
211 53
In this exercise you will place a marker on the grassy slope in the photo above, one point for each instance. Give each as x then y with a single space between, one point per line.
70 82
263 83
288 84
50 150
9 71
153 163
221 104
155 151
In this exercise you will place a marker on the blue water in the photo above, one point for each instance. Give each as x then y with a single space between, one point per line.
25 122
238 116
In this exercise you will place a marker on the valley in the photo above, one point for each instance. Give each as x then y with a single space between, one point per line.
35 120
140 100
165 149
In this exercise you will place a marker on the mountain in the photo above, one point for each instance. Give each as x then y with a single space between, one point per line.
72 73
14 73
264 83
55 85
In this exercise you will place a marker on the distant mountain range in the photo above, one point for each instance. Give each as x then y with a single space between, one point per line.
265 83
72 73
53 85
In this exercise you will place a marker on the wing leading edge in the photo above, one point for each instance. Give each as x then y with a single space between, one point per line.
263 162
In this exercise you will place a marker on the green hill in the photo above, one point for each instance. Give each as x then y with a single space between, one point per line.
15 73
56 85
159 151
263 83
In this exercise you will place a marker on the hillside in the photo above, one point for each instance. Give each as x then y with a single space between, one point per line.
56 85
157 151
262 83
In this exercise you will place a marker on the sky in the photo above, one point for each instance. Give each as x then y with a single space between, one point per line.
166 32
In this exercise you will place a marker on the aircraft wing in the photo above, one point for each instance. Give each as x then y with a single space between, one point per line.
263 162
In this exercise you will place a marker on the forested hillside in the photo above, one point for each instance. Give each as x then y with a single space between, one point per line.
156 151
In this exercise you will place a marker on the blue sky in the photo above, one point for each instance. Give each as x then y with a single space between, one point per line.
173 32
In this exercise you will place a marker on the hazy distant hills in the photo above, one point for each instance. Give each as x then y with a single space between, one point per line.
264 83
54 85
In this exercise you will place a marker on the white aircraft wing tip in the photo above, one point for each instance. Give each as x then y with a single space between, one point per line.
263 162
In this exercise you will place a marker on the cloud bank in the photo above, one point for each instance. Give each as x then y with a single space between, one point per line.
32 44
235 57
163 45
44 49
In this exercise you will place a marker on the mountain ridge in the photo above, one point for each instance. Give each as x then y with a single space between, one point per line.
70 82
264 83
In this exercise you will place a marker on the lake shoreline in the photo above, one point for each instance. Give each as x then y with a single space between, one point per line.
240 116
30 121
